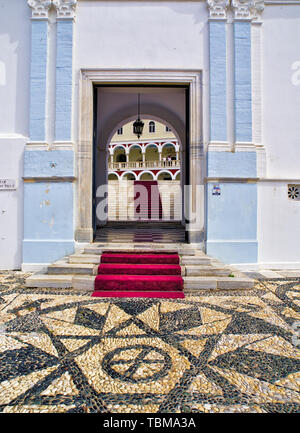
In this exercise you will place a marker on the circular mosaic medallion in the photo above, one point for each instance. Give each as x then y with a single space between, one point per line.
138 363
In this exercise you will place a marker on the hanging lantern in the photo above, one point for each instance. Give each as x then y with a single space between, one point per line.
138 124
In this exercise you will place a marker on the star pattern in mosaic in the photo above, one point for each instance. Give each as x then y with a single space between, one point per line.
227 351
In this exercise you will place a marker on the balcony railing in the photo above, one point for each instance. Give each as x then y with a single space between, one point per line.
143 165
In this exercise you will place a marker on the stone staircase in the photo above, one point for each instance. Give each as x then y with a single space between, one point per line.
199 271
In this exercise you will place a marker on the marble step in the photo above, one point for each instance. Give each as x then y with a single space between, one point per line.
85 258
204 270
217 283
86 282
195 260
50 281
162 248
65 281
72 268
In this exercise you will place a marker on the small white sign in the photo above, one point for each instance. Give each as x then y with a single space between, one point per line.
7 184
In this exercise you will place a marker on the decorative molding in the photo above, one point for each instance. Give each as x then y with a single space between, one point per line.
65 8
218 8
56 145
231 180
49 179
40 8
247 9
215 146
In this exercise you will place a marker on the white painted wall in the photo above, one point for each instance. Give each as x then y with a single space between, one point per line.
281 99
11 203
15 28
134 34
278 216
278 227
118 34
15 36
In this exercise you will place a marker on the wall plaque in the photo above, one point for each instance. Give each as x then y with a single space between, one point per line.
7 184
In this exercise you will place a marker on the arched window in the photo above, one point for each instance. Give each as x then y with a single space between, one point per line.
168 129
121 157
120 131
151 126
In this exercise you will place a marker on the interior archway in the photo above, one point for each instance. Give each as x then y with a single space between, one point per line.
151 155
145 163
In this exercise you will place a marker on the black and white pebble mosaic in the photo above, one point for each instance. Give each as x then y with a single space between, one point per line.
225 351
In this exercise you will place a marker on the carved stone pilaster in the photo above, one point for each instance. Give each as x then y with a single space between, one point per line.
65 8
40 8
247 9
217 8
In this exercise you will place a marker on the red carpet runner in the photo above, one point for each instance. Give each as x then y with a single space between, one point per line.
141 275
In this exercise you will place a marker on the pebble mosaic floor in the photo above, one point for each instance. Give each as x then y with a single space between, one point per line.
227 351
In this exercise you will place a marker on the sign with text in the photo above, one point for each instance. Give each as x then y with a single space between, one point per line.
216 190
7 184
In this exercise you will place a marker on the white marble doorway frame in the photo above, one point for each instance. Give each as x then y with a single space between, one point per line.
90 77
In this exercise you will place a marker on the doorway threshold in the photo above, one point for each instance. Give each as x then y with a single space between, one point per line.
141 231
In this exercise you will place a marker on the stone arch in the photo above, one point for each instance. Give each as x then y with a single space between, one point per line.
168 143
148 111
165 150
128 172
118 145
116 153
155 155
145 172
151 143
115 175
161 172
132 150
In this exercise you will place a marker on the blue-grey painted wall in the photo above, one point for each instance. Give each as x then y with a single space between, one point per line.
232 222
232 215
231 164
217 67
64 60
38 79
243 87
42 163
48 221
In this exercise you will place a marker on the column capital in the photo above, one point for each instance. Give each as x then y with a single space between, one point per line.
247 9
40 8
217 8
66 9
